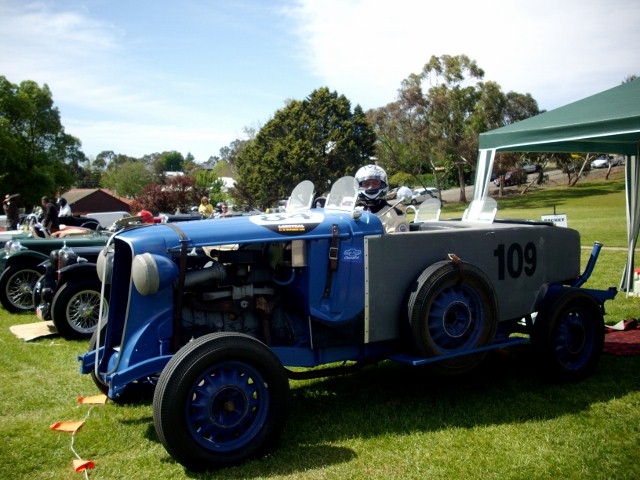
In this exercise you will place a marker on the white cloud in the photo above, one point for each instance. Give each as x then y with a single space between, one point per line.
557 51
193 76
145 138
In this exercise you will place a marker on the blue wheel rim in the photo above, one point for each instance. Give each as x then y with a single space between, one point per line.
574 339
227 406
455 318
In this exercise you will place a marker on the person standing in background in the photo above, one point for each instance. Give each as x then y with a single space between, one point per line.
64 210
205 208
50 221
10 206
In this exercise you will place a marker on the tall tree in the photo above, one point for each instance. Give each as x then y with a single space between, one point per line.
37 157
210 185
450 89
434 124
319 139
173 161
127 179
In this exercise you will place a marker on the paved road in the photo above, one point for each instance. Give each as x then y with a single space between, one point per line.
555 178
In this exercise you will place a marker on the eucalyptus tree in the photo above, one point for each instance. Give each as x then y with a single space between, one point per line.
434 124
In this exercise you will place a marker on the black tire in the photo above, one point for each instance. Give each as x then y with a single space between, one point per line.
451 311
75 308
16 287
568 335
221 400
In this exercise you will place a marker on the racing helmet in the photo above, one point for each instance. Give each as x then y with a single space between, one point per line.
372 183
145 216
62 201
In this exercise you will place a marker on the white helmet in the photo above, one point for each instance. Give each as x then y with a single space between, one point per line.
368 189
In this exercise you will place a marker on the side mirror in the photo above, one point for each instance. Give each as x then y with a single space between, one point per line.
404 195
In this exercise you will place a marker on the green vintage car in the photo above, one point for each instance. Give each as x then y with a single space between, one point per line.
20 264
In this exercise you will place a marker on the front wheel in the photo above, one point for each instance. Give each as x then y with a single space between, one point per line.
16 287
75 308
221 399
568 335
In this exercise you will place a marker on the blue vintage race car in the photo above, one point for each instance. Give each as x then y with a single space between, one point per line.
212 313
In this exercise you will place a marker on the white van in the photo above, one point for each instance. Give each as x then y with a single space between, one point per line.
107 219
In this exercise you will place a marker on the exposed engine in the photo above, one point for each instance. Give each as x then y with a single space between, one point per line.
238 291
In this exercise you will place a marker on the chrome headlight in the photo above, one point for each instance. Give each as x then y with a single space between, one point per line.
104 265
13 246
151 273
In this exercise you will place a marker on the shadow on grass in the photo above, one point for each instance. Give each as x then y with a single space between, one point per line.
394 399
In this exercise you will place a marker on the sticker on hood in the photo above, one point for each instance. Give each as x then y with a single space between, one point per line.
292 223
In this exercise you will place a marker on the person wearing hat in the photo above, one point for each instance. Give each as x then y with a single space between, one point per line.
10 206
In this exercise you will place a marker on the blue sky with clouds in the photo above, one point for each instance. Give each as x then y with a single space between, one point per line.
145 76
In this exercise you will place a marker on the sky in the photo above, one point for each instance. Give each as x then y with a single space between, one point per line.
143 76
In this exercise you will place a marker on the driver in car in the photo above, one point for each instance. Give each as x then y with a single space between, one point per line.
372 189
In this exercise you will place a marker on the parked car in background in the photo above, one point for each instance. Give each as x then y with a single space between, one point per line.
21 266
514 177
617 160
69 291
531 167
603 161
422 194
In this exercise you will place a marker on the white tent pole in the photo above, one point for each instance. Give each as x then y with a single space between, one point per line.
632 186
483 173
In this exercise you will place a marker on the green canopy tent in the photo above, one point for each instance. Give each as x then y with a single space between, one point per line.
608 122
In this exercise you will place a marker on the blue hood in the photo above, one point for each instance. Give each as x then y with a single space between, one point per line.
273 227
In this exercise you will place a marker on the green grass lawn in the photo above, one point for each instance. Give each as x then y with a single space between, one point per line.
388 421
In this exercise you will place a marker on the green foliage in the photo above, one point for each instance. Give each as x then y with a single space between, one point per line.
189 162
172 161
127 179
224 169
401 179
37 157
434 125
210 185
430 180
575 166
318 139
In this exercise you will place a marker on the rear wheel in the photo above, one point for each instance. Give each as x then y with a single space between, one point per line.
16 287
452 310
568 335
75 308
221 400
